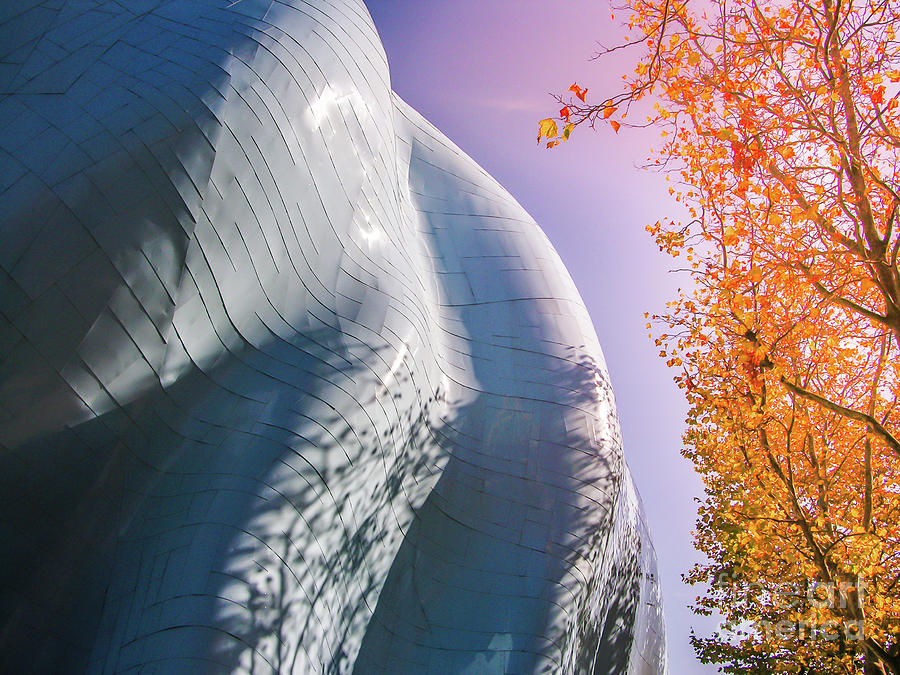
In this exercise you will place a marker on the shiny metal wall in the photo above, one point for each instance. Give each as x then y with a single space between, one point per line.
287 382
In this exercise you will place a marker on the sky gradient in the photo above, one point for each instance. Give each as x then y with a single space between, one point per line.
482 72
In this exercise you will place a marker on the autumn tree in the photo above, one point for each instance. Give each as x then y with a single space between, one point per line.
779 132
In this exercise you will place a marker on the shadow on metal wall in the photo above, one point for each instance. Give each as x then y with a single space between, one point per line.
430 615
94 506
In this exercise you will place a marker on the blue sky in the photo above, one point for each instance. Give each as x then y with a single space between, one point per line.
482 72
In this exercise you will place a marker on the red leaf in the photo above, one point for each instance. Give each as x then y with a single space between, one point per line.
579 92
615 125
564 113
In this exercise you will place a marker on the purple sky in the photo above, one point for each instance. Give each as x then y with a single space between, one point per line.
481 71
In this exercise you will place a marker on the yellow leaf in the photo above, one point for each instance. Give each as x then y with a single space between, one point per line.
547 129
694 59
567 131
730 236
787 152
725 134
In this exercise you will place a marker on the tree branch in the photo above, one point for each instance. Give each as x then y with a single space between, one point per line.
873 424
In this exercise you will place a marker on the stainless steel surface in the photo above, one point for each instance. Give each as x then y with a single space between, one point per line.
287 382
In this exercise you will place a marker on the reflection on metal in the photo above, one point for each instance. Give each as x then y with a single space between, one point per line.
288 382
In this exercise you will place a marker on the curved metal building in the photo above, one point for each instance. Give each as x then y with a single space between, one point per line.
288 383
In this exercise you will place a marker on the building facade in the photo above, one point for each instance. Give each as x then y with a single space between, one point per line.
288 383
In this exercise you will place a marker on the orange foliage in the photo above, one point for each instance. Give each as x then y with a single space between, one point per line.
780 128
